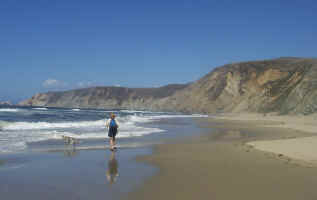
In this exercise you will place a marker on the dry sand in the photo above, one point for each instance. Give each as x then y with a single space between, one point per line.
219 166
301 149
298 122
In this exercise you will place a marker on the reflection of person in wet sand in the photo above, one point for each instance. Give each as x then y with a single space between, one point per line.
112 172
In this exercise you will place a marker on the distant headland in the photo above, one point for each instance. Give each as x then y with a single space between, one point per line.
5 103
286 85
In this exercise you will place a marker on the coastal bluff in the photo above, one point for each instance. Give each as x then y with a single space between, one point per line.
285 85
5 103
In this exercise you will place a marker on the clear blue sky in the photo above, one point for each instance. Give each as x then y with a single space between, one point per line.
63 44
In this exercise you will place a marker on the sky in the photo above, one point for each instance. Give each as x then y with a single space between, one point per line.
55 45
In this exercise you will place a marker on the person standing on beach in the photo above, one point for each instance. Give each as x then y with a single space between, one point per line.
112 125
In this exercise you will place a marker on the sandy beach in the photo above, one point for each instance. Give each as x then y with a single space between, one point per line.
300 147
237 157
2 162
219 165
56 170
306 123
80 174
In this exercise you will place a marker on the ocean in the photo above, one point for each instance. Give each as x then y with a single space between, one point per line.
24 129
36 162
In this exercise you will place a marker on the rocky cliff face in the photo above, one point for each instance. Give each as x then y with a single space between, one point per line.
284 85
106 97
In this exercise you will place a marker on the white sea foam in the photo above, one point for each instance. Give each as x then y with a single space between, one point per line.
181 116
140 111
17 140
103 111
132 111
136 132
15 136
3 124
75 109
9 110
40 108
12 167
50 125
6 147
157 117
131 119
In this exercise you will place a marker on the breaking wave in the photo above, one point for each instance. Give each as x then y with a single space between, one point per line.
9 110
49 125
15 136
40 109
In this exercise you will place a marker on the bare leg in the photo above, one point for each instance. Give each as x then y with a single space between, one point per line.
111 143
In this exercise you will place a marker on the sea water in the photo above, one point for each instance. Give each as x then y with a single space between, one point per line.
39 128
39 165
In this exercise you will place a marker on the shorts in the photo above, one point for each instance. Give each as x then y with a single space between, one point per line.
112 132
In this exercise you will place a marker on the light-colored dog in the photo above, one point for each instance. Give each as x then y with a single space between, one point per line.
70 140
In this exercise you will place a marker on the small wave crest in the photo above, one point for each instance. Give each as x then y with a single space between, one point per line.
9 110
130 119
39 108
49 125
16 136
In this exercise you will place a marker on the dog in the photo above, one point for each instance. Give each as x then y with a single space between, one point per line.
70 140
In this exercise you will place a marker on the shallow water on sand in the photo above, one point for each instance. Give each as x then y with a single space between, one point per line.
67 172
22 128
84 175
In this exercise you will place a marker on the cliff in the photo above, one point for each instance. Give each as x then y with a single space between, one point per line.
5 103
284 85
106 97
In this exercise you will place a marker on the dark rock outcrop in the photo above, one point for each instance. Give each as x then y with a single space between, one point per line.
284 85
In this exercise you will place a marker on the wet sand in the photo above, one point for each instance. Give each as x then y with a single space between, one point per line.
218 165
72 175
88 171
2 162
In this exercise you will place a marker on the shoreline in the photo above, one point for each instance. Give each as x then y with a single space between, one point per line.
82 174
210 165
49 171
188 164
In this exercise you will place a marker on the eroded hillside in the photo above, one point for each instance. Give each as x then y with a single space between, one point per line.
284 85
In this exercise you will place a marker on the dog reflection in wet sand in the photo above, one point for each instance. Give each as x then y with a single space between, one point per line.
70 152
112 171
